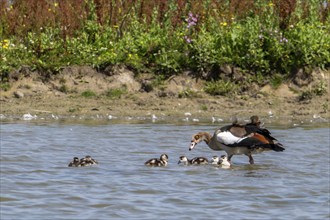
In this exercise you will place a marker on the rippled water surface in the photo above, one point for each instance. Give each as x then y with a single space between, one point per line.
37 184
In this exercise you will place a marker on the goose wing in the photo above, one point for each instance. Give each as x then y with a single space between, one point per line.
254 140
241 131
228 138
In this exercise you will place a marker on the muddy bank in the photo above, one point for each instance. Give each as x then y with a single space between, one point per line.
83 92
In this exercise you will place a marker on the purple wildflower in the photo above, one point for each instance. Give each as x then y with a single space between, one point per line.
190 24
325 4
191 20
188 40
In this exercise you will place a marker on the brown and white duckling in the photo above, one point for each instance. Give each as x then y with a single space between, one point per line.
87 161
222 161
75 162
161 162
215 160
195 161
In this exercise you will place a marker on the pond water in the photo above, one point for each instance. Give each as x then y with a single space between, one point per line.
37 184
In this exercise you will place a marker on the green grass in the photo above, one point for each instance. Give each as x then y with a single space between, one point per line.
316 90
220 87
5 86
188 93
115 93
88 94
276 81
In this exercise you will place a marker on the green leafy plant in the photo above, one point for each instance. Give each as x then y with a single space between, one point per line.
320 89
276 81
165 37
5 86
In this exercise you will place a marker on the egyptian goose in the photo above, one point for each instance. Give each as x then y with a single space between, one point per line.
238 139
87 161
195 161
161 162
74 163
222 161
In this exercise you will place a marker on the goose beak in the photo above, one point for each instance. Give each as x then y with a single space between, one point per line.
192 145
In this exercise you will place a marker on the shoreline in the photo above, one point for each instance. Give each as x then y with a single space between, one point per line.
84 93
161 111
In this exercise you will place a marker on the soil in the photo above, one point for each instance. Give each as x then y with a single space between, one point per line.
180 96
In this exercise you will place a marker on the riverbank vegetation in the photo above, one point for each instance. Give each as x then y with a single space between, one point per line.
261 39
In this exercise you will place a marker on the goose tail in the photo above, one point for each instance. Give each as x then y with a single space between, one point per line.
275 147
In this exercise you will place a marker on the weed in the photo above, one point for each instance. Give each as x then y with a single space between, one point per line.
276 81
72 110
115 93
306 95
220 87
62 81
4 86
320 89
187 93
64 89
88 94
204 107
159 81
325 107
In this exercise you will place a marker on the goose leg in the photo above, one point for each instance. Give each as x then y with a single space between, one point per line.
251 159
229 158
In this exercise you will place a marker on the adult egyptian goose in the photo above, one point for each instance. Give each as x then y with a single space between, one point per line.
222 161
195 161
161 162
238 139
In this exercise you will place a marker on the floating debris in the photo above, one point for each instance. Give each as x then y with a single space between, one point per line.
187 114
28 116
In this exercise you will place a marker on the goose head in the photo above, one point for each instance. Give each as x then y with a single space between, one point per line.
164 157
199 137
183 160
215 160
